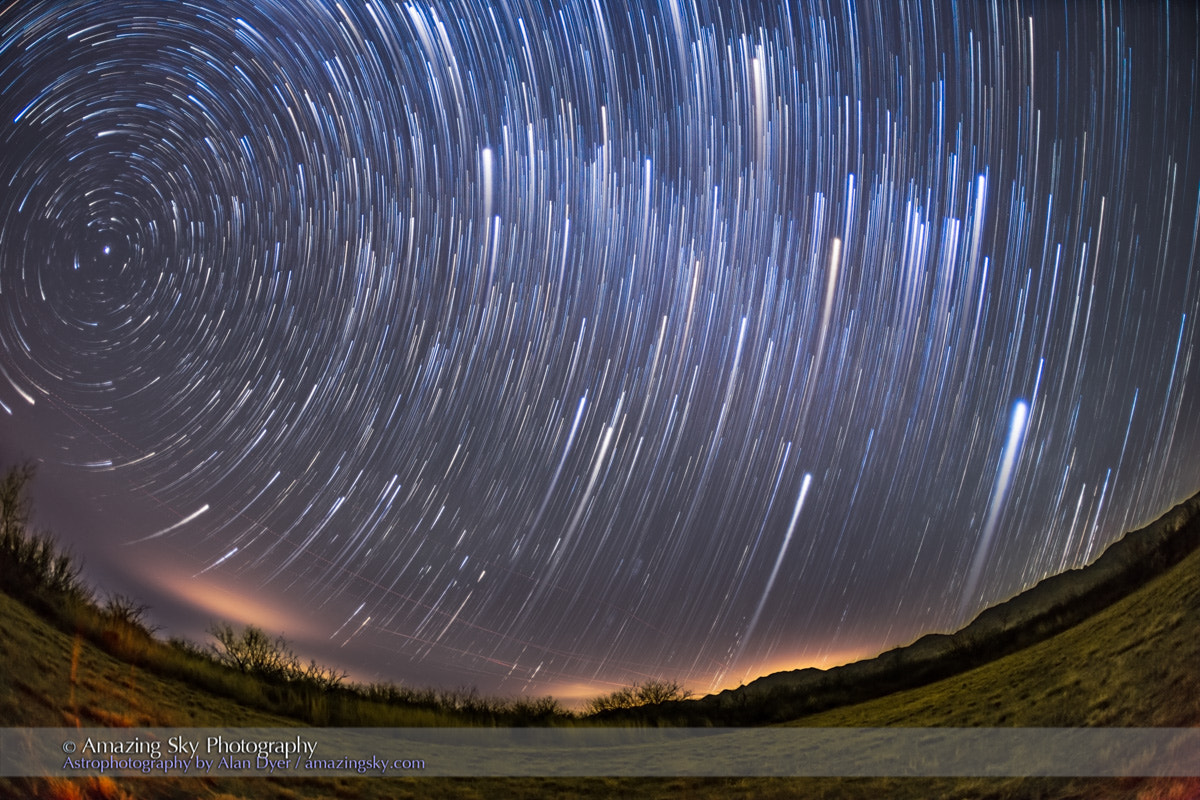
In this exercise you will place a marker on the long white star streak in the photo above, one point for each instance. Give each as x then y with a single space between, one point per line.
502 334
189 518
1004 476
787 539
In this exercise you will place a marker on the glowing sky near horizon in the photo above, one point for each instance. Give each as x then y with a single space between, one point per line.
530 345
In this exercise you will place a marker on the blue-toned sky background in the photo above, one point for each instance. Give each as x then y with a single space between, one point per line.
547 347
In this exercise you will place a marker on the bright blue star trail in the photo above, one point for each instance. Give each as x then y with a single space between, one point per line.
565 344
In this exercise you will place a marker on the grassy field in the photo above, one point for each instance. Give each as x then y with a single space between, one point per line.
1134 664
79 663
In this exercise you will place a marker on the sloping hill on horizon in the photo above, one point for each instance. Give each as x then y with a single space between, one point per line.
1134 664
1052 606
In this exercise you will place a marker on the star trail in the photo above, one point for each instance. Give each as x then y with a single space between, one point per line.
551 346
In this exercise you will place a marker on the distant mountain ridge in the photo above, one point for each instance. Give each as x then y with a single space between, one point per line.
1051 606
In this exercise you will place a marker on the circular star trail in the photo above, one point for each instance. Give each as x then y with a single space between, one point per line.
530 345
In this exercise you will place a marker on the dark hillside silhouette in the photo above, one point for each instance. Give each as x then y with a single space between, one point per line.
1050 607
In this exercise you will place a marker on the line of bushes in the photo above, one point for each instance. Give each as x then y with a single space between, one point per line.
639 695
32 566
247 665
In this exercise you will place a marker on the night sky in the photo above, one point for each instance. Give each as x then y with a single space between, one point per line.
550 346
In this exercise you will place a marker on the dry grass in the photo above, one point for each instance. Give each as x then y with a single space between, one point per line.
94 788
52 679
1135 664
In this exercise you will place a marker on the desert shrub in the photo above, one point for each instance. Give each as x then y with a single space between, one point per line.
526 710
649 693
124 630
321 676
252 651
32 566
189 648
15 503
123 611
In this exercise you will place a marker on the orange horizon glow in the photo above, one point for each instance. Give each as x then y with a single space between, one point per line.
574 694
211 597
